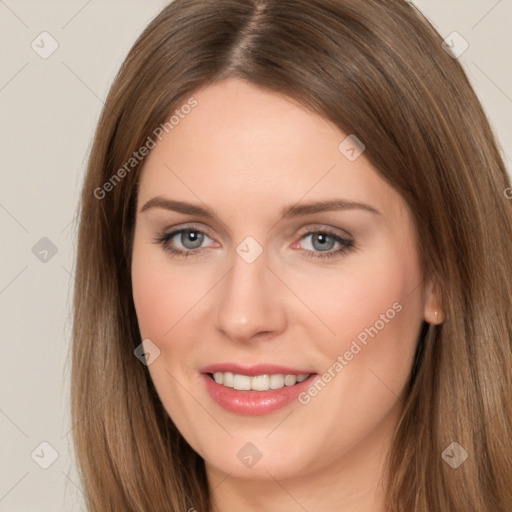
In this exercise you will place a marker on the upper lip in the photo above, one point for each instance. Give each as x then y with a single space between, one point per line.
258 369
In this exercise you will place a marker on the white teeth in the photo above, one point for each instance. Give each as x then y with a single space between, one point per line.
242 382
228 380
258 382
277 381
290 380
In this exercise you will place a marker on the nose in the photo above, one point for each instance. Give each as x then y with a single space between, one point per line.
250 302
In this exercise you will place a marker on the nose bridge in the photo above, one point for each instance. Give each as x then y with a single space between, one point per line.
249 300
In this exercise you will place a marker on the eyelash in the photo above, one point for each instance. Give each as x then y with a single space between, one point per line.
347 245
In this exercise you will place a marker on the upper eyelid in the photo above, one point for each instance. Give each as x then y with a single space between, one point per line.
318 228
188 227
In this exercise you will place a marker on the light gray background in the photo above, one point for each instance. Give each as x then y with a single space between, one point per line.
49 108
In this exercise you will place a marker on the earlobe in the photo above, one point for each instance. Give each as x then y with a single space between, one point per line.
434 313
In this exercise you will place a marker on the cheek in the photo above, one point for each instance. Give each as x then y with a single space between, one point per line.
372 308
162 297
162 293
376 312
380 283
155 304
150 297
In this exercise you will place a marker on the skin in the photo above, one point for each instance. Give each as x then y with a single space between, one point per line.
246 153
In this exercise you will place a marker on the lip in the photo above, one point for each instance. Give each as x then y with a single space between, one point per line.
253 403
251 371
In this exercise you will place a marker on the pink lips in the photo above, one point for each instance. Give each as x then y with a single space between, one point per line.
258 369
253 403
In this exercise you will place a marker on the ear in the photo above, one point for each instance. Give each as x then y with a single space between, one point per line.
433 312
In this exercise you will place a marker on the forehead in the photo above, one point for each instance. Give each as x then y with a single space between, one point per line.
244 141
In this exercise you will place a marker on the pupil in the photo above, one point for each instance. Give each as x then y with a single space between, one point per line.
323 240
191 239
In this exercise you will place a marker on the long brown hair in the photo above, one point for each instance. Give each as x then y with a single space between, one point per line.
376 69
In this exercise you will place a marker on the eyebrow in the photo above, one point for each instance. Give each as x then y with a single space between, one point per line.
296 210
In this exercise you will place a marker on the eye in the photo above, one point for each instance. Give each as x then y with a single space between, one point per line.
190 239
183 242
320 244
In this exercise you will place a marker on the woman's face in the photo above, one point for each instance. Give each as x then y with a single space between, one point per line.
296 261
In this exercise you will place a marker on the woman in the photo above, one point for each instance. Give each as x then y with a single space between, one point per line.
293 275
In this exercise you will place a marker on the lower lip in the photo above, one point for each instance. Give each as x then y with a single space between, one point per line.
254 403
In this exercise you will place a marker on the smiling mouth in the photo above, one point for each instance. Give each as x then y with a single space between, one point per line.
264 382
